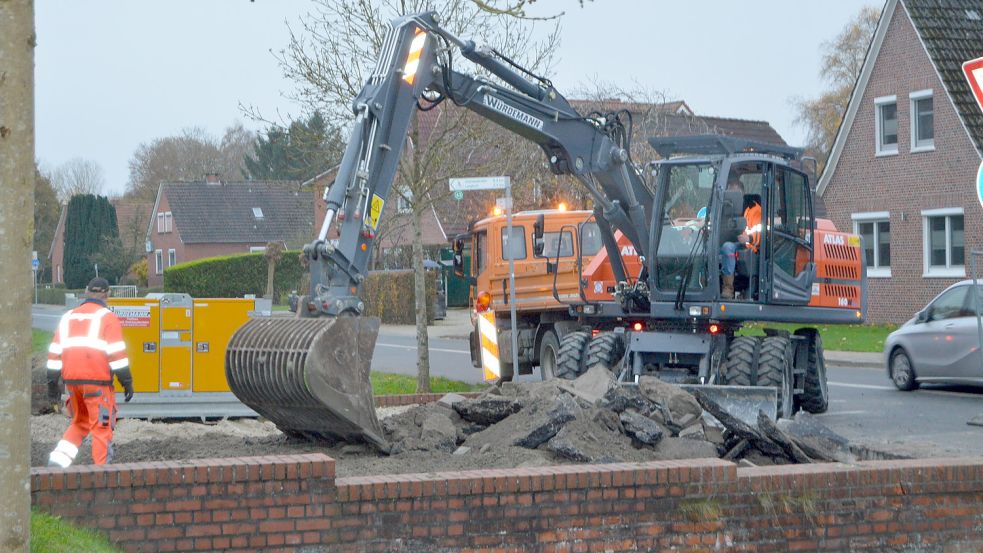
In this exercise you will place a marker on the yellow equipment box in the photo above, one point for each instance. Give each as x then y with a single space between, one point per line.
176 347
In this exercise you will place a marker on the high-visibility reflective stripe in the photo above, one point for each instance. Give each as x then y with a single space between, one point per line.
491 366
63 454
751 230
119 364
54 364
115 347
54 348
96 325
84 342
413 59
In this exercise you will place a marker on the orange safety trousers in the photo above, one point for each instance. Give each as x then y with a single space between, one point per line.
93 411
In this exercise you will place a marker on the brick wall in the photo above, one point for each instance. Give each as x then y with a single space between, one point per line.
294 503
906 183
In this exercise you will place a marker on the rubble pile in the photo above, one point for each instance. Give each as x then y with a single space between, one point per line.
595 420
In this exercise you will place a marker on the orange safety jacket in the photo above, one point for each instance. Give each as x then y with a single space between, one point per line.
753 229
88 345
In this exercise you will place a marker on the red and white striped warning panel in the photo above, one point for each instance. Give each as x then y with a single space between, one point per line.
491 367
973 69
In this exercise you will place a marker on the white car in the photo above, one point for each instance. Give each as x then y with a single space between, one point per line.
941 344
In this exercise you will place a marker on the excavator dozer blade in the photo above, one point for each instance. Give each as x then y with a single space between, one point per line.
741 402
310 377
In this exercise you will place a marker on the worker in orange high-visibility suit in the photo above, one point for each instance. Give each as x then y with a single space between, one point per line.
86 352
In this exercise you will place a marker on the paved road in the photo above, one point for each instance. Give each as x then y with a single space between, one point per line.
864 405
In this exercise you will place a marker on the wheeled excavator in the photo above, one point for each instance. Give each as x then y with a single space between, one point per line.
310 374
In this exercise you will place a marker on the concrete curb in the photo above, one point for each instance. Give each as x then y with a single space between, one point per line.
865 360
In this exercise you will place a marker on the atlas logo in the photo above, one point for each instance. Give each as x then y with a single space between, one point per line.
628 251
834 239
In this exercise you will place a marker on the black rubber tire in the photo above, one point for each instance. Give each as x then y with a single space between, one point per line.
901 362
815 394
549 352
774 367
606 349
570 362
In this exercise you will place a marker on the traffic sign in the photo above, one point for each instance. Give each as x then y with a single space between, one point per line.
35 264
973 70
979 183
458 195
480 183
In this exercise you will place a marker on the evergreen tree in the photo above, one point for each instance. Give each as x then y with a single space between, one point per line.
47 209
91 231
300 151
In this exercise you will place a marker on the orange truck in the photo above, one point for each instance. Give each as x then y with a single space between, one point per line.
545 283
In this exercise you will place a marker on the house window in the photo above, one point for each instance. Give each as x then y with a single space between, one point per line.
257 249
404 201
165 222
875 229
258 212
171 258
886 125
944 243
158 262
922 121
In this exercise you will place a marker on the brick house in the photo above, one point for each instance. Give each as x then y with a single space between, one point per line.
902 170
194 220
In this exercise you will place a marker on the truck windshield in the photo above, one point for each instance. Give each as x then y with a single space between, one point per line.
682 254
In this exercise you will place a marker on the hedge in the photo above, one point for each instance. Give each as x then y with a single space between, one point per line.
56 296
234 276
390 296
387 294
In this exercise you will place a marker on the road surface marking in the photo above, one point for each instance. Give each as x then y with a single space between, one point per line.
431 349
942 393
864 386
841 413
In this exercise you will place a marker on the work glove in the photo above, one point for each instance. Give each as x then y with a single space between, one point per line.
54 387
125 380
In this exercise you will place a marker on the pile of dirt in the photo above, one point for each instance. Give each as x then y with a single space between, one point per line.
589 420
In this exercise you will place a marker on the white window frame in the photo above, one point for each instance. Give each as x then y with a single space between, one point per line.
257 249
168 222
158 262
403 204
171 257
160 223
878 270
935 271
879 149
927 146
258 213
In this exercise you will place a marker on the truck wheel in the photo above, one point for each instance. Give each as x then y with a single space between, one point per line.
606 349
774 367
572 354
815 395
549 351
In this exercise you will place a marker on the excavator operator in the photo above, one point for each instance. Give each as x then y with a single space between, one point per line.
749 239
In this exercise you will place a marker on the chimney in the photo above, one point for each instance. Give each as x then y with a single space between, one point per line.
212 178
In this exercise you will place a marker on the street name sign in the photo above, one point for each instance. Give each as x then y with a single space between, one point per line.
480 183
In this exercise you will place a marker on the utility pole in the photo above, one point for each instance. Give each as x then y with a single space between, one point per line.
17 41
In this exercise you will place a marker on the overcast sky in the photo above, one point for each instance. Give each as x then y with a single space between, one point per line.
114 74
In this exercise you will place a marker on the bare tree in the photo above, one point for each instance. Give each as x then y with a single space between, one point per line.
78 176
843 58
17 42
188 156
328 59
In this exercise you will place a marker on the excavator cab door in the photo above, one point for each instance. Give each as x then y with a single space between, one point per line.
788 244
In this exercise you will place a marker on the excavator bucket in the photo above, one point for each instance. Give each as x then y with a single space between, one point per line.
741 402
309 376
